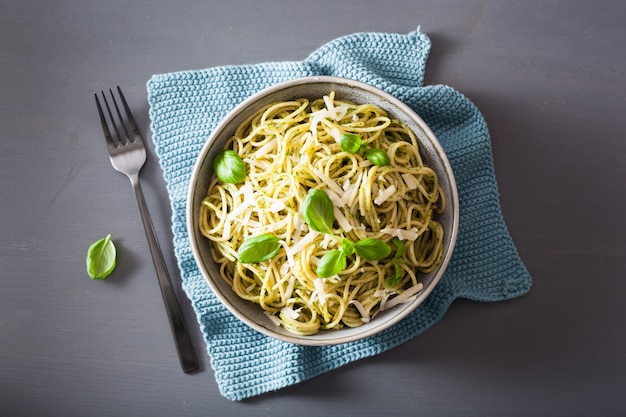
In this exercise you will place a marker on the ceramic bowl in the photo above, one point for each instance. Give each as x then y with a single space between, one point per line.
314 88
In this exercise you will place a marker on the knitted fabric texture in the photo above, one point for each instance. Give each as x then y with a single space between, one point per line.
186 106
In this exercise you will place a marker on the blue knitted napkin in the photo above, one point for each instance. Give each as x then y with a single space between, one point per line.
186 106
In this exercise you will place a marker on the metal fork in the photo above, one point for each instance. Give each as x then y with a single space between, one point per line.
128 155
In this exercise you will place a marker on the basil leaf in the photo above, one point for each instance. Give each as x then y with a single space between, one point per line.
332 263
372 249
350 142
400 248
377 157
258 249
347 247
101 258
396 278
318 211
229 167
397 260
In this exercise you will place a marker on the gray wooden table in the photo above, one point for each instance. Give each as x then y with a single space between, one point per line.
550 79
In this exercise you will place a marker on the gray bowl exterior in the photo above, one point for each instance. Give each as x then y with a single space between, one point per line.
314 88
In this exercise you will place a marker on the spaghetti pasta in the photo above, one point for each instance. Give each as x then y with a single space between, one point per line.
339 258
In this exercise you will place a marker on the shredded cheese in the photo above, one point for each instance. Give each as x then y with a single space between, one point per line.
340 111
365 318
226 230
341 219
337 201
402 234
316 119
330 106
277 206
290 312
351 191
405 297
300 244
291 260
248 200
265 149
329 181
384 195
410 181
319 290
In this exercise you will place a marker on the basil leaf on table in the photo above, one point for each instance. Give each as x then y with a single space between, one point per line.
332 263
258 249
377 157
372 249
350 142
229 167
318 211
101 258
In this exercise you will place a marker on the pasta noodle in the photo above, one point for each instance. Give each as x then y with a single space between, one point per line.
290 148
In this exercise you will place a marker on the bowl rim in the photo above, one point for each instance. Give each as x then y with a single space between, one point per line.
194 234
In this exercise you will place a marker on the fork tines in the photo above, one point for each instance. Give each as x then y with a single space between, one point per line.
122 137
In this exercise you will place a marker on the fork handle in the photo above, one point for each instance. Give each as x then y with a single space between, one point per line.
184 347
